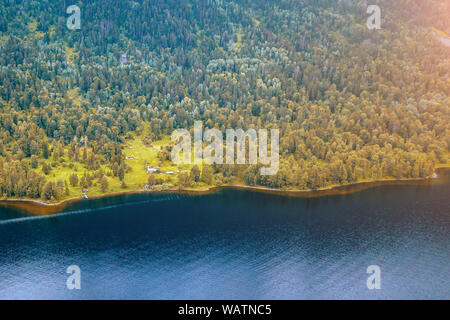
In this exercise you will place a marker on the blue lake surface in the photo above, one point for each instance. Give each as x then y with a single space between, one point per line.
233 245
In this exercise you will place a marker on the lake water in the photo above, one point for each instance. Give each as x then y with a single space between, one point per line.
234 245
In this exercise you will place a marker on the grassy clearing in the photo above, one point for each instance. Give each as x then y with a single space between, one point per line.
138 155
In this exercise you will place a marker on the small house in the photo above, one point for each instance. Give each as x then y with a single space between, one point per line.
152 170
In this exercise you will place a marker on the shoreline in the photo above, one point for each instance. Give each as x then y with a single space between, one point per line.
38 207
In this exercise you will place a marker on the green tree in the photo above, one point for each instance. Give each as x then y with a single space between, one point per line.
195 174
46 168
151 180
183 180
73 178
104 183
66 188
207 175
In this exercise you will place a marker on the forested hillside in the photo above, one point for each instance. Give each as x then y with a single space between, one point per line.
352 104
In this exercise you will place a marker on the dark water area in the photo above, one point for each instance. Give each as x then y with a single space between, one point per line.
233 245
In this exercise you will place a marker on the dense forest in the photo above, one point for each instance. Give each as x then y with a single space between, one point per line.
352 104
